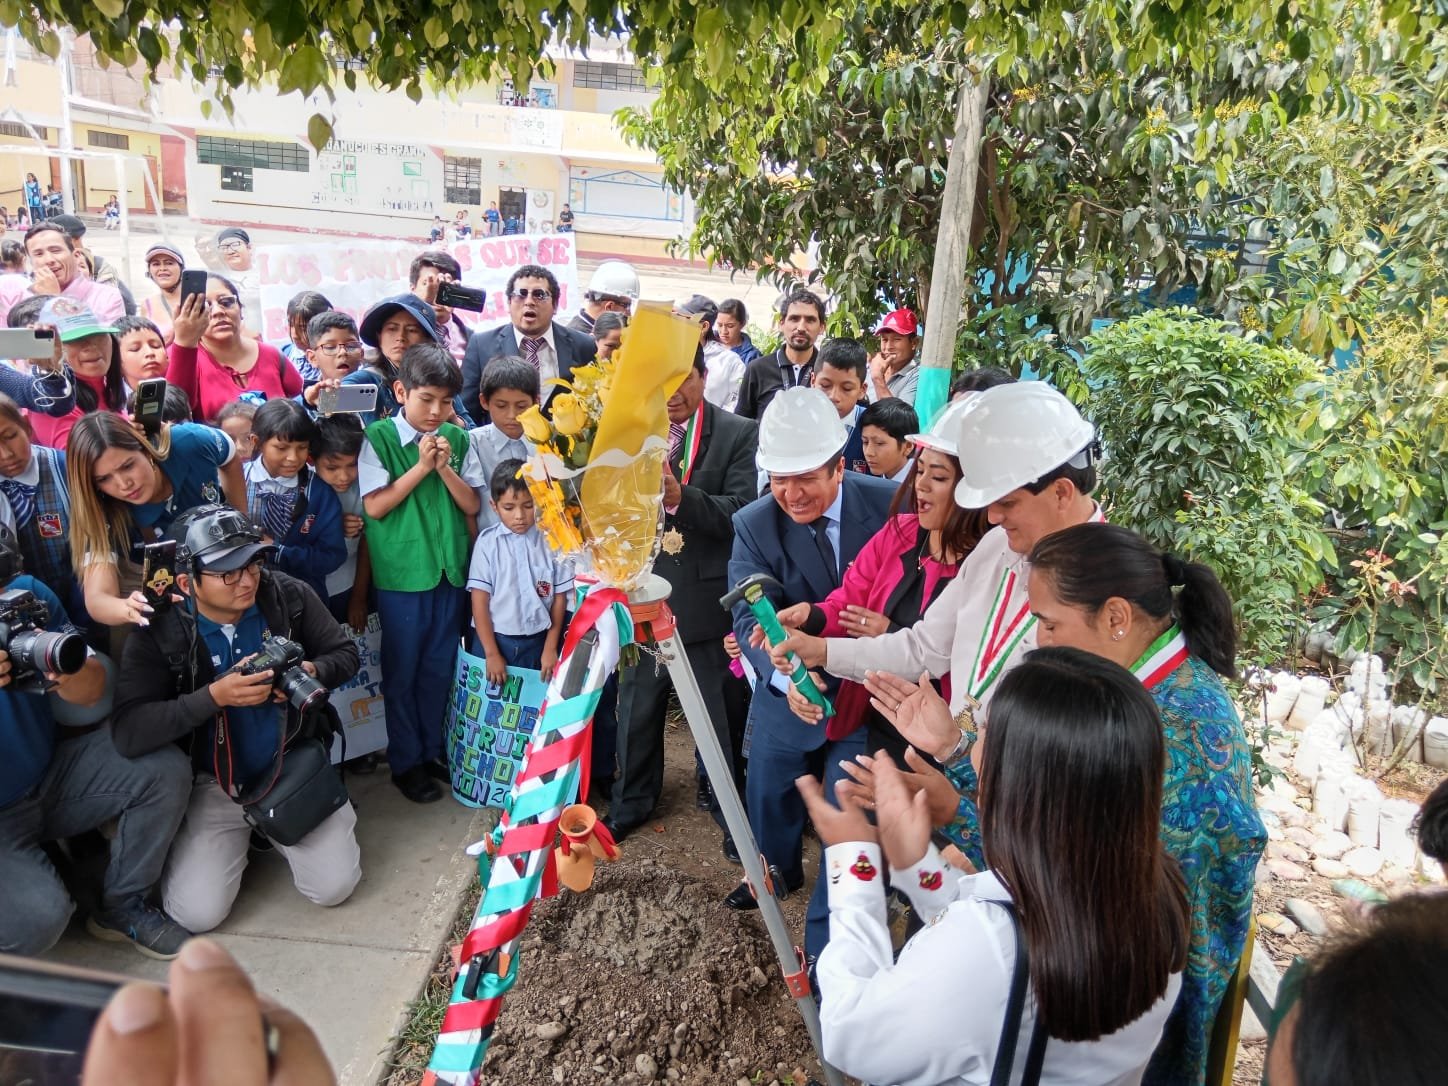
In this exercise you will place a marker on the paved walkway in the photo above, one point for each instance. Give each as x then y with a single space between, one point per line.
350 971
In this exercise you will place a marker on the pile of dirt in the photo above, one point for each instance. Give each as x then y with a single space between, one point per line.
647 978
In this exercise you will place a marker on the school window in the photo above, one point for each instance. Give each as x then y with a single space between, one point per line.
236 178
252 154
462 180
15 128
615 77
113 140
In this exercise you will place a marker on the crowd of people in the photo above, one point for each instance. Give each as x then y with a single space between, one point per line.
1087 862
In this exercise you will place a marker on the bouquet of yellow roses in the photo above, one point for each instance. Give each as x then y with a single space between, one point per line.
597 475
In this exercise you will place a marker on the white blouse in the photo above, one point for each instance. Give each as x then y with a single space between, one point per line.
935 1015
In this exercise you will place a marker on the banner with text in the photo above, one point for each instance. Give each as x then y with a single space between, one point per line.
354 275
488 725
359 701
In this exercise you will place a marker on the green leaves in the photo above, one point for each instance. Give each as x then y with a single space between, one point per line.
319 131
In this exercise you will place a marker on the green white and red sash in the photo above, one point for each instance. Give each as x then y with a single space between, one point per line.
689 449
1167 653
1006 625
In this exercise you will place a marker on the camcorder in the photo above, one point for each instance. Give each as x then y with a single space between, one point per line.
283 659
457 296
34 650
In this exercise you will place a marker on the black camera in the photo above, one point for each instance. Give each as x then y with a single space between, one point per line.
283 659
457 296
34 650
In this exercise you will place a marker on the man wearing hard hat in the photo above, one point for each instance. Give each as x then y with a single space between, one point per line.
1028 458
613 288
803 534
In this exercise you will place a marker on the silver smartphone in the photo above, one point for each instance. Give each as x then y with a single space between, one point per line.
31 343
347 400
47 1013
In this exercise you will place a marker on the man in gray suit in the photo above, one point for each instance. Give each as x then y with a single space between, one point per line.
531 334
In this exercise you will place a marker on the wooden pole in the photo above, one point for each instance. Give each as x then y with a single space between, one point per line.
952 246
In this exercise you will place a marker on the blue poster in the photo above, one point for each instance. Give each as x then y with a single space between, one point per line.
488 725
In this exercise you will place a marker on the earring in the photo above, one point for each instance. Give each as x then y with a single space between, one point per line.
1118 635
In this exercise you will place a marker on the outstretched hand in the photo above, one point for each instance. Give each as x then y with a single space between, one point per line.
916 710
903 815
834 824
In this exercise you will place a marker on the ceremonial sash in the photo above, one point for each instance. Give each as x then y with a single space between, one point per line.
689 450
1162 657
1007 623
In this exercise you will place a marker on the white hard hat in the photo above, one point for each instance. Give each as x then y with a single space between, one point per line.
800 431
616 279
1011 435
941 434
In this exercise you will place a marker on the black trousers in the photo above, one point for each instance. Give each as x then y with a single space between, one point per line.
642 702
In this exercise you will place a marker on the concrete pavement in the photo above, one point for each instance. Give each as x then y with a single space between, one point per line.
350 971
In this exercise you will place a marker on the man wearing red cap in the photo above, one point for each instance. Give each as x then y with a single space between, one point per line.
894 370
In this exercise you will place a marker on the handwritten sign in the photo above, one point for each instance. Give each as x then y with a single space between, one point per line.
359 701
354 275
488 725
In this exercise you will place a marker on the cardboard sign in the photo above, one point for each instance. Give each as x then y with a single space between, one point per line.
488 725
359 701
354 275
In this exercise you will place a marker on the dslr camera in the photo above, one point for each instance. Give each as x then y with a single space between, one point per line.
283 659
34 650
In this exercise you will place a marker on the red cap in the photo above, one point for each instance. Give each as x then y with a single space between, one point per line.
901 320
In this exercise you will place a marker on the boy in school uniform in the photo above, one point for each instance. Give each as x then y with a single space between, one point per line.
34 482
519 588
298 513
417 475
334 352
507 388
334 454
885 430
840 373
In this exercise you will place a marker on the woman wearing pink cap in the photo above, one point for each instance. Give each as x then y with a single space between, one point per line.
894 370
164 264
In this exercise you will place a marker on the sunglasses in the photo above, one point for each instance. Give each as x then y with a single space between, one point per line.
538 295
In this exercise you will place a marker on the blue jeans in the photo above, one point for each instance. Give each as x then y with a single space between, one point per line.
87 784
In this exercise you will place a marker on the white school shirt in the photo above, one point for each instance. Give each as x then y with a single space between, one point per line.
947 638
371 475
724 373
493 447
934 1016
521 576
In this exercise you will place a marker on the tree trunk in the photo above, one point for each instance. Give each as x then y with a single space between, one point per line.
952 246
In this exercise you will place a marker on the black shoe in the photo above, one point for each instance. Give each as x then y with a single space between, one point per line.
731 850
741 899
364 763
145 927
620 830
438 771
417 786
704 794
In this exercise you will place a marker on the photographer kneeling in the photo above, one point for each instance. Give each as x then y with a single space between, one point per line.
52 787
239 677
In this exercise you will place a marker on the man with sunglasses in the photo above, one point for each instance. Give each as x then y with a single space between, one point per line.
180 684
531 333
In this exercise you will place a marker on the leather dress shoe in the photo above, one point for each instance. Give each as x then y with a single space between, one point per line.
741 899
438 771
416 785
731 850
704 795
620 830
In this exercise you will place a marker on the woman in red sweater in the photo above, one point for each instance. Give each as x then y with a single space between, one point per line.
214 363
897 575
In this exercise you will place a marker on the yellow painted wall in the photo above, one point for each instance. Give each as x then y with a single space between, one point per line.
100 176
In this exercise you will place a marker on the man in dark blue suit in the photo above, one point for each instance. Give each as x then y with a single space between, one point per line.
530 334
804 533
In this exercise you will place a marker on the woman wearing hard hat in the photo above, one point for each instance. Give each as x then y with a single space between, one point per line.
1027 458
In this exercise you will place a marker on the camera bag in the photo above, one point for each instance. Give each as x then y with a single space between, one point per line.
300 796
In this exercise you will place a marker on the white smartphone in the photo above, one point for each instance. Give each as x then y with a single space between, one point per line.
28 343
347 400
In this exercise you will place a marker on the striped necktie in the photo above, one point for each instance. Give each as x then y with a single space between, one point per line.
276 511
22 500
531 347
676 441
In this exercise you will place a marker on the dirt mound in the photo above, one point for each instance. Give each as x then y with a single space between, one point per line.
646 978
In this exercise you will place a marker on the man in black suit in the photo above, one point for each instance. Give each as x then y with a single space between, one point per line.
532 334
709 475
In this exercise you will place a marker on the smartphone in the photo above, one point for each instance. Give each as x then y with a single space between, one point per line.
150 402
347 400
47 1013
193 282
158 573
28 343
457 296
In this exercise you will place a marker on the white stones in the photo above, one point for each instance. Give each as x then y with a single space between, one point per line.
1311 697
1281 695
1364 800
1395 836
1331 869
1329 799
1285 870
1307 916
1286 850
1332 845
1363 862
1277 924
1300 835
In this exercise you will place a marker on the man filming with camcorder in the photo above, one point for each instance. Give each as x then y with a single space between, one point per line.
239 675
54 786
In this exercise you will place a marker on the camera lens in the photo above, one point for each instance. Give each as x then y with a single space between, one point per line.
42 650
301 689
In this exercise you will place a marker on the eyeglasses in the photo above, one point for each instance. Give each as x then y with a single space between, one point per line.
231 246
226 301
330 349
233 576
538 295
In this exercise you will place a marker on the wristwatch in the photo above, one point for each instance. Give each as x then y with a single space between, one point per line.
965 721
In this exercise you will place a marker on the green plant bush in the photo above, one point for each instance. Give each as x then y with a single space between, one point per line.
1201 428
